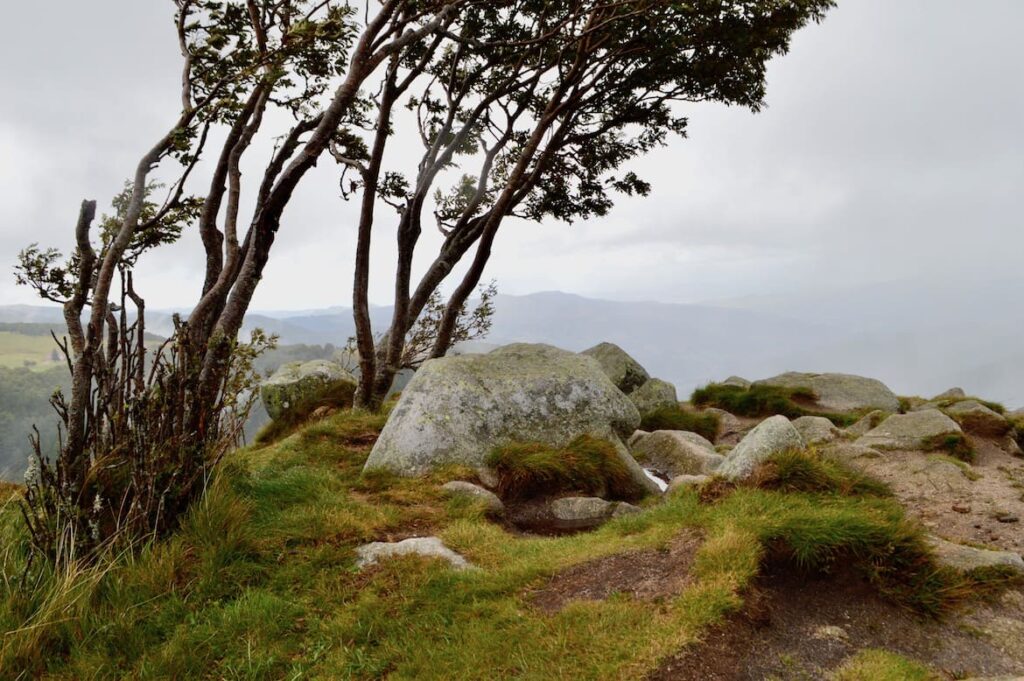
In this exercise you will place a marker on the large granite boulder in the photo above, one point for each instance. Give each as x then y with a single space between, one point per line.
457 410
625 372
771 436
298 388
653 395
977 419
840 393
676 452
925 430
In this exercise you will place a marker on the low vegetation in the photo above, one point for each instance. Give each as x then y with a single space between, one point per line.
765 400
807 471
881 665
675 418
955 445
586 465
260 581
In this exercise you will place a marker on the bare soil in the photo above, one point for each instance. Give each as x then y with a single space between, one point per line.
800 626
643 575
949 503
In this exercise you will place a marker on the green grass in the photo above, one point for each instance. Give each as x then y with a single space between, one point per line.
22 350
674 418
806 471
587 465
260 582
759 401
880 665
955 445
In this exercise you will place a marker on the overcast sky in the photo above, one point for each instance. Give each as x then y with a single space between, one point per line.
891 148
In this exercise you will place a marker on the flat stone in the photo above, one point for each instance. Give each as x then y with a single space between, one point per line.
816 430
428 547
919 430
967 558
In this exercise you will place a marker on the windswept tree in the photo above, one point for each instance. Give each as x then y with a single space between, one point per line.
534 110
141 435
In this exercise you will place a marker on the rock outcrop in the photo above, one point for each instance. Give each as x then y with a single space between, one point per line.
771 436
298 388
816 430
456 410
653 395
625 372
977 419
675 452
840 393
919 430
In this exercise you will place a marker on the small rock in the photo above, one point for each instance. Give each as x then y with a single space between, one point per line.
830 632
967 558
468 489
1007 518
579 513
626 373
653 395
919 430
429 547
771 436
951 394
816 430
685 481
961 508
677 452
488 477
737 382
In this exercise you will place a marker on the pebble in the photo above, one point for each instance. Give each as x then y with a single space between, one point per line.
961 508
1008 518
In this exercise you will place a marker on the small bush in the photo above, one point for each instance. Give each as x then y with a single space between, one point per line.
674 418
806 471
587 465
760 401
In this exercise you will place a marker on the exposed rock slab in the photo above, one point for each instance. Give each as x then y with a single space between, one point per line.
840 392
772 436
816 430
918 430
676 452
625 372
967 558
428 547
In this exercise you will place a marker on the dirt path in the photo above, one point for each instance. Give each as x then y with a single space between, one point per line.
801 627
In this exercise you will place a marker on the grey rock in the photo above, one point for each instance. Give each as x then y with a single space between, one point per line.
816 430
297 388
848 452
967 558
468 489
771 436
576 513
456 410
625 372
869 422
977 419
686 481
730 428
429 547
918 430
951 394
840 392
653 395
737 382
676 452
636 437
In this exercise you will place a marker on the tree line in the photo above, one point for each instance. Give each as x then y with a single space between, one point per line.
524 110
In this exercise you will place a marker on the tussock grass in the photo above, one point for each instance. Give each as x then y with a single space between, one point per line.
587 465
260 581
807 471
765 400
674 418
955 445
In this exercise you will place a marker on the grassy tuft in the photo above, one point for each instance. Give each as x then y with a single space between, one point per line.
759 401
674 418
955 445
807 471
881 665
587 465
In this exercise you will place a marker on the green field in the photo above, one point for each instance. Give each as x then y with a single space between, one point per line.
29 351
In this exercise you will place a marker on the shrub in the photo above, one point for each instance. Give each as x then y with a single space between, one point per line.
674 418
587 465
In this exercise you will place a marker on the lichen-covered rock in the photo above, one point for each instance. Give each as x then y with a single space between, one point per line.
917 431
771 436
625 372
579 513
457 410
428 547
868 422
687 481
967 558
840 393
298 388
951 394
458 488
736 382
675 452
977 419
653 395
816 430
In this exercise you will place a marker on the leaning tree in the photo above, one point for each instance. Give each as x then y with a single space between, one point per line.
533 111
140 435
